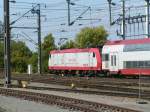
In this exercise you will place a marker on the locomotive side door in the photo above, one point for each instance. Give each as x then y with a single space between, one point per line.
91 59
114 65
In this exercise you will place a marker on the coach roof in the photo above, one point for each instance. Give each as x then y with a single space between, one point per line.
131 41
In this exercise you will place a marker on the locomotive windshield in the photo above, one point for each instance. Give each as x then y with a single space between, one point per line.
93 55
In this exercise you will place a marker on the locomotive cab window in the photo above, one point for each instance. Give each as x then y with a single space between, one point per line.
93 55
50 56
105 57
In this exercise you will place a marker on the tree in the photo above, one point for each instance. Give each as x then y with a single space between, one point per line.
68 45
47 46
91 37
20 55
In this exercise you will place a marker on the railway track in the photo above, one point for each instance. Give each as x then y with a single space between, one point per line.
82 81
110 87
64 102
129 94
145 80
126 93
94 81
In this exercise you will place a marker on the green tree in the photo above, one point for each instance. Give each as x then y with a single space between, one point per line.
20 55
47 46
91 37
68 45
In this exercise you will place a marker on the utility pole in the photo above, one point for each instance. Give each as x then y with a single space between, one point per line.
7 70
123 20
39 40
38 12
110 14
68 1
147 19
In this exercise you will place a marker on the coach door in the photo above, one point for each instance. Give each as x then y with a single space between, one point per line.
114 62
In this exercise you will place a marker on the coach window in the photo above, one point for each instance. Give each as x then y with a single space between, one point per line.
105 57
134 64
147 64
114 60
141 64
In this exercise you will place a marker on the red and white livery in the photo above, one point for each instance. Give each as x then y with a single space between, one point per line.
75 59
127 57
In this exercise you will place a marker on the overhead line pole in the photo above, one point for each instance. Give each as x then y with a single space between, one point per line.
123 21
7 68
39 40
110 14
38 12
147 19
68 1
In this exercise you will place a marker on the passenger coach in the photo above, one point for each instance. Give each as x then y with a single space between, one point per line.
127 57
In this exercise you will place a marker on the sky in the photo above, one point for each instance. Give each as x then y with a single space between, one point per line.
54 18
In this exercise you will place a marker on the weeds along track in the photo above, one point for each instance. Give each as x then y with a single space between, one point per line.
64 102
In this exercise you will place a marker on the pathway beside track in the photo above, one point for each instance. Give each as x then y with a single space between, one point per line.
50 98
124 102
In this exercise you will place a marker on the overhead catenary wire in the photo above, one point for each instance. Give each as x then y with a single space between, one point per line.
100 7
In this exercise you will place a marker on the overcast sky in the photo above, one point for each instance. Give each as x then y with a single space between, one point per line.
54 17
